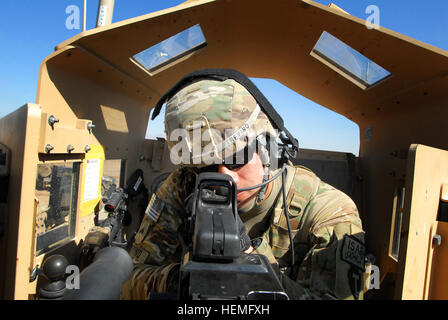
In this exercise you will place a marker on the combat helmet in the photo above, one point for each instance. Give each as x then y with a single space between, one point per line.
209 121
213 114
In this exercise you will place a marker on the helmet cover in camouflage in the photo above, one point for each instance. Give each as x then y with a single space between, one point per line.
210 120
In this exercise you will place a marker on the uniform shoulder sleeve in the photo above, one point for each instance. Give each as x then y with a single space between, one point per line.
335 263
157 241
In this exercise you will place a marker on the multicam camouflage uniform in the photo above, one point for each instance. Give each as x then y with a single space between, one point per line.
327 231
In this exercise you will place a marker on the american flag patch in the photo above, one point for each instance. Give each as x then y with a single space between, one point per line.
154 208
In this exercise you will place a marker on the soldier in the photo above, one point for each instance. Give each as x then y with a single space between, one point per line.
327 261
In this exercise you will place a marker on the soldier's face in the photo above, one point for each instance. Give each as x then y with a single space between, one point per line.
248 175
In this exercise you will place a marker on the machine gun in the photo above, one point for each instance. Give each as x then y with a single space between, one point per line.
115 205
109 231
214 266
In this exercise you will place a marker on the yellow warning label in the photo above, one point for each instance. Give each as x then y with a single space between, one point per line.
92 174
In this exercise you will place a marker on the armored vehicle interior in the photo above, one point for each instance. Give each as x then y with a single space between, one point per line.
96 91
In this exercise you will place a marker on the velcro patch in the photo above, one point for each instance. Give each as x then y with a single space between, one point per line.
138 255
353 252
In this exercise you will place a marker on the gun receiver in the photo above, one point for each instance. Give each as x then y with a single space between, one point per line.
109 231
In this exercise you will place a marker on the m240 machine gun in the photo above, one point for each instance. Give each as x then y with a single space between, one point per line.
215 266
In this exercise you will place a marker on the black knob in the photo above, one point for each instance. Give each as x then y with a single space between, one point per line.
54 267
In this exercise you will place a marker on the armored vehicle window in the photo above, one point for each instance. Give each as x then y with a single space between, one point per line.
156 127
171 49
57 195
113 173
358 68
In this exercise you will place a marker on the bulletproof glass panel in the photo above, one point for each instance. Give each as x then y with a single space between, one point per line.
349 61
113 173
57 195
171 49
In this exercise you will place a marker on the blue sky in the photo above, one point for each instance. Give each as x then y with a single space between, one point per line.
30 29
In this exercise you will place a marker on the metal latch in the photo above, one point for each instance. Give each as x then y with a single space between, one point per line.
437 240
37 271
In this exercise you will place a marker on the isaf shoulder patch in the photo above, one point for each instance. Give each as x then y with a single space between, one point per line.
353 252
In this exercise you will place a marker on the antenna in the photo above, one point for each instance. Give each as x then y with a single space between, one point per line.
84 15
105 13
